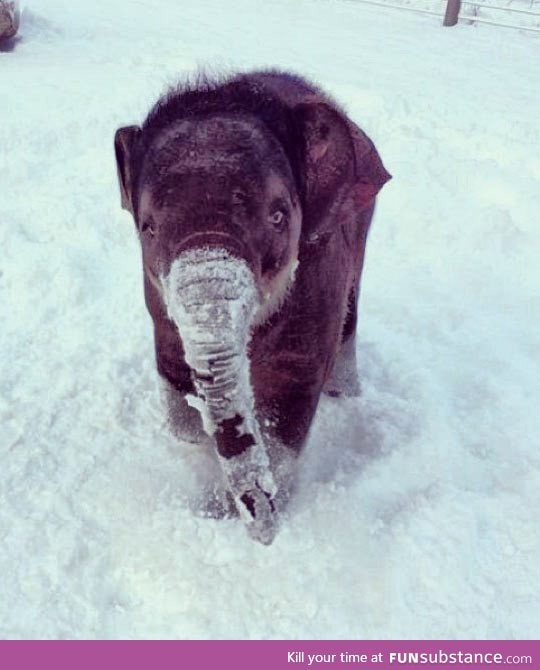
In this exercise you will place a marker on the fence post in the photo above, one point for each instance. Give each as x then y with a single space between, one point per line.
452 12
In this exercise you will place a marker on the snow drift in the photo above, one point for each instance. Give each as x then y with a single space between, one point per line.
417 509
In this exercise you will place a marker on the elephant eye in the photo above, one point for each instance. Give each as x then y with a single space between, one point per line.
149 226
239 197
278 218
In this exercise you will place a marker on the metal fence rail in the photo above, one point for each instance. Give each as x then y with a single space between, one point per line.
405 8
490 22
474 19
504 9
451 15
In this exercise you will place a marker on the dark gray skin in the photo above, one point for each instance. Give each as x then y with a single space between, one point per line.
265 171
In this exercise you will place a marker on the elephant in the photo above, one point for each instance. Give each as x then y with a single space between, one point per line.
252 197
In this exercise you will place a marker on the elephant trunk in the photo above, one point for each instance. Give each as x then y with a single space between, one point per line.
212 298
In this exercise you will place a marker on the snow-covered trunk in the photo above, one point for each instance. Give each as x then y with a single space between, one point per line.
212 298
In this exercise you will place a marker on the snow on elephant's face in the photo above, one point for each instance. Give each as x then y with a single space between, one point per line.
220 182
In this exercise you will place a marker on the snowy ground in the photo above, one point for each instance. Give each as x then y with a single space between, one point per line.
417 514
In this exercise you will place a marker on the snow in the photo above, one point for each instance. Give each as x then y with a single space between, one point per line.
416 510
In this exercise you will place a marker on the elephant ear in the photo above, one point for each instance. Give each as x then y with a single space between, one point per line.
370 173
124 143
339 159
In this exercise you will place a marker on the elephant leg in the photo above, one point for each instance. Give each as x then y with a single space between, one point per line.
343 379
184 421
285 422
185 424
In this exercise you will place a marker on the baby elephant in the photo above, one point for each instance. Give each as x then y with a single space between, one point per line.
252 198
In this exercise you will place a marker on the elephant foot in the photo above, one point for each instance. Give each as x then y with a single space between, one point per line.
215 504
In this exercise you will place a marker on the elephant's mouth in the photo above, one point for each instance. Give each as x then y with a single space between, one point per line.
213 242
212 298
